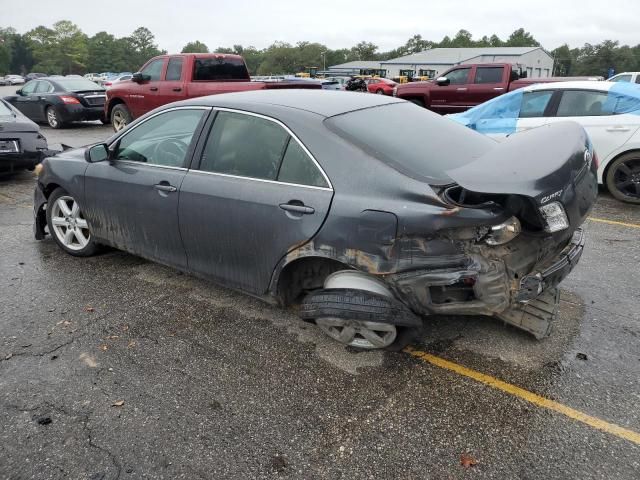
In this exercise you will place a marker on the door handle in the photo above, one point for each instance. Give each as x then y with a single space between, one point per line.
461 89
177 89
165 187
618 129
498 89
154 89
302 209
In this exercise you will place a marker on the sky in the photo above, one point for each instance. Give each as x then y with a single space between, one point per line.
337 24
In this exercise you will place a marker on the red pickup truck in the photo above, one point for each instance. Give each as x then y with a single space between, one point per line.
466 86
169 78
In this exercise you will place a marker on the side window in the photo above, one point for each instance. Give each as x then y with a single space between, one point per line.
535 103
174 69
30 87
459 76
621 78
298 168
489 74
44 87
161 140
637 78
154 69
244 145
582 103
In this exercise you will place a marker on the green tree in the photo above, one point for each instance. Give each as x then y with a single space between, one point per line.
364 51
520 38
195 47
142 47
21 55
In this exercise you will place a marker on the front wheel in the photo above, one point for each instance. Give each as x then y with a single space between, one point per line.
120 117
380 92
623 178
67 225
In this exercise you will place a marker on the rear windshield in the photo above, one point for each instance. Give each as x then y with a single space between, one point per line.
414 141
220 69
77 84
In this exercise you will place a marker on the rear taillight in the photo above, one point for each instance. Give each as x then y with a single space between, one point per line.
69 100
107 84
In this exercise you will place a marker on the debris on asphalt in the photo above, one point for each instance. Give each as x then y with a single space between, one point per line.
89 309
467 460
43 420
118 403
582 356
279 462
104 347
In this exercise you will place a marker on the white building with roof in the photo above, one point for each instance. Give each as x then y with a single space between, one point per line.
358 67
536 61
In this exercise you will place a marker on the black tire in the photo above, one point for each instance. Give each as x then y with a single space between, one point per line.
417 101
52 117
91 248
623 178
365 306
105 120
380 91
120 117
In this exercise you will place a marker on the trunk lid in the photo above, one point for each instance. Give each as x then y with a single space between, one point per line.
545 164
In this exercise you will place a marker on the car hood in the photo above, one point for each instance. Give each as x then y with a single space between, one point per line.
537 163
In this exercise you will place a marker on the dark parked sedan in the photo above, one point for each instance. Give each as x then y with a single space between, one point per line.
59 100
293 196
22 146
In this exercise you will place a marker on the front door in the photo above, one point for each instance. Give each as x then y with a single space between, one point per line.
256 195
132 201
449 98
28 102
143 96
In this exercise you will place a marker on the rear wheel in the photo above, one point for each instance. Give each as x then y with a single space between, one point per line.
380 91
120 117
53 119
67 224
623 178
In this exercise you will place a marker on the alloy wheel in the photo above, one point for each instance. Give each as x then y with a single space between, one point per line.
357 333
119 121
626 178
68 223
52 117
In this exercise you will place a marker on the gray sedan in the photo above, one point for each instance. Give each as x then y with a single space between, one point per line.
298 197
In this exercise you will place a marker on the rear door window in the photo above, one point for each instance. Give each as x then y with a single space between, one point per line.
44 87
621 78
174 69
244 145
297 167
30 87
489 74
583 103
535 103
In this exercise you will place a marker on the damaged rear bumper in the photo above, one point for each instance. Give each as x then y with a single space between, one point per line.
489 286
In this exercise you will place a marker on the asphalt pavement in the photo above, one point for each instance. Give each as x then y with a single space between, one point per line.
116 367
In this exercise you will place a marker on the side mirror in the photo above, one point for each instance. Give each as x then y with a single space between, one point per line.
139 77
97 153
443 81
19 91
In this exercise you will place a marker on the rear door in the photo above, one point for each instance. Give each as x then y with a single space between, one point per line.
132 201
171 88
451 98
255 194
593 110
488 83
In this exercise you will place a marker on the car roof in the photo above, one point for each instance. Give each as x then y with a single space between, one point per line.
581 84
322 102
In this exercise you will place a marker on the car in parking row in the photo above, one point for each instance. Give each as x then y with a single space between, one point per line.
608 111
59 101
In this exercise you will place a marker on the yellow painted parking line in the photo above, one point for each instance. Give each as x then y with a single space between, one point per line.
614 222
530 397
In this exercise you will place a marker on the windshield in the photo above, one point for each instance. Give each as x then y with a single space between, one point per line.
77 84
415 141
5 110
